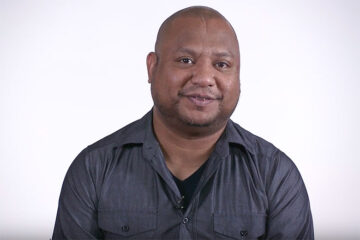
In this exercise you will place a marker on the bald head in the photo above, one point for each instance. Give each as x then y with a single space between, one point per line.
201 12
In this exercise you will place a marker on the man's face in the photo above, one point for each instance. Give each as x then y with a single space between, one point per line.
195 79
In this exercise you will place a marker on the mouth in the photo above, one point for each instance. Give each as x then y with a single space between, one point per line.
201 100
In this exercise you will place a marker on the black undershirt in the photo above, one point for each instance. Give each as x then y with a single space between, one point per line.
188 186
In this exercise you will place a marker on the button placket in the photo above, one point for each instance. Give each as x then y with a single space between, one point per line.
185 220
180 203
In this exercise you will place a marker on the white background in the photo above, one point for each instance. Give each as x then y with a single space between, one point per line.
72 72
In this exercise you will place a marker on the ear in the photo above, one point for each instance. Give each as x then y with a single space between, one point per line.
151 61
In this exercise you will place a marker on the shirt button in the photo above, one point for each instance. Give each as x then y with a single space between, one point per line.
125 228
181 199
185 220
243 233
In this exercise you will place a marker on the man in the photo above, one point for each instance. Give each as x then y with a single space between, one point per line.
185 170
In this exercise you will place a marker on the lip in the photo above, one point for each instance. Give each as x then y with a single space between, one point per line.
200 100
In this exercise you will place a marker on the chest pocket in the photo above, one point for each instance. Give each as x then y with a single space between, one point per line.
127 224
243 227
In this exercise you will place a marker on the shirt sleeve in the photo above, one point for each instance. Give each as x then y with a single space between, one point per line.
77 215
289 214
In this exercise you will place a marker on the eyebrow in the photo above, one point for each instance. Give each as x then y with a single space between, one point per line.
186 50
224 54
193 52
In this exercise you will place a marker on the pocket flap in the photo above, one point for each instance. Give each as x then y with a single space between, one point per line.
127 223
245 226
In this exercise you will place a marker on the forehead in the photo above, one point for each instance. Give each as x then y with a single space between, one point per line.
200 32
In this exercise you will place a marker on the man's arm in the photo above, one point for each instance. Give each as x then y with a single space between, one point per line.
289 207
77 213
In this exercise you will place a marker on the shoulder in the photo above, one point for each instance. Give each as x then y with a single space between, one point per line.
103 151
260 151
132 133
273 167
251 142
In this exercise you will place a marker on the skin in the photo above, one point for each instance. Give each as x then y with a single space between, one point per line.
194 77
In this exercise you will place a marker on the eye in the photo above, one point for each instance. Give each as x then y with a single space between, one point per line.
186 60
222 65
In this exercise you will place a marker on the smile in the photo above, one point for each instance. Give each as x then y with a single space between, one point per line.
201 101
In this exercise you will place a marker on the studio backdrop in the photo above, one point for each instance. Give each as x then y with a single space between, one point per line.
72 72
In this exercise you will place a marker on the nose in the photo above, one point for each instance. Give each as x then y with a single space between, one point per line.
204 74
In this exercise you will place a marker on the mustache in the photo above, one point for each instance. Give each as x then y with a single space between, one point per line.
200 92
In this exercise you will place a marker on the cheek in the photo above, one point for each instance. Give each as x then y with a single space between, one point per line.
174 80
231 89
167 85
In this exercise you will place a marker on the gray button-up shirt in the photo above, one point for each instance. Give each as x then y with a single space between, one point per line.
120 188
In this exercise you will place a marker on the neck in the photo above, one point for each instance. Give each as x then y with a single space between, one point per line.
184 151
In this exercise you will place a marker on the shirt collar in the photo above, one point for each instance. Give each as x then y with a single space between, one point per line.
233 134
136 132
141 132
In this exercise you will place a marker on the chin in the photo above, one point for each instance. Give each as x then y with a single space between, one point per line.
198 121
198 124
